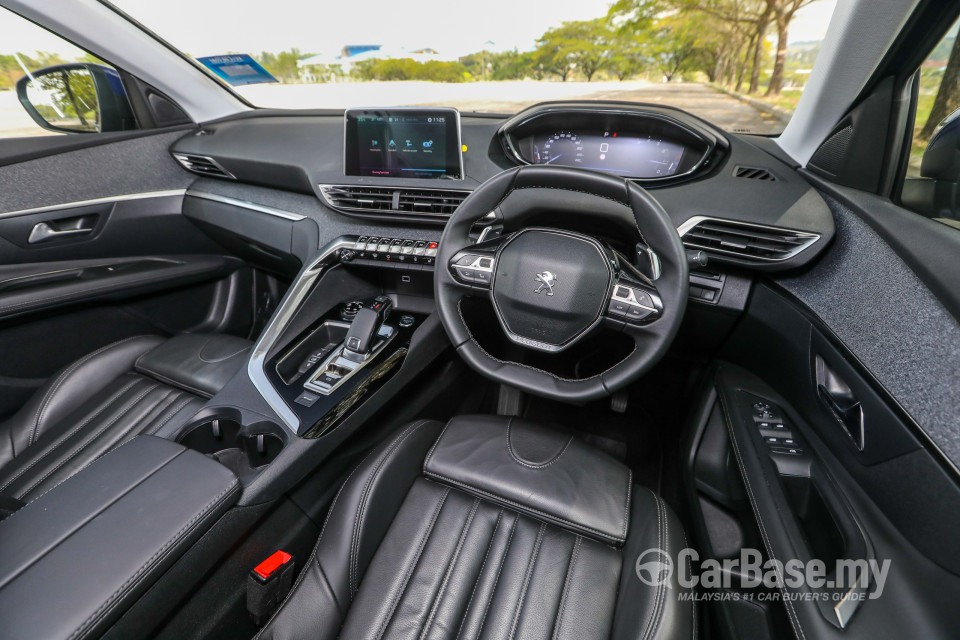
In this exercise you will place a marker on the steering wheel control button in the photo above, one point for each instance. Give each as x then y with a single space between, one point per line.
473 268
550 287
632 304
636 312
618 308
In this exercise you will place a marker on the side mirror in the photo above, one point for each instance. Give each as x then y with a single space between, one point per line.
941 160
76 98
936 193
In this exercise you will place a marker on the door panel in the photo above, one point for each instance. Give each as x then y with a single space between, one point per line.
94 249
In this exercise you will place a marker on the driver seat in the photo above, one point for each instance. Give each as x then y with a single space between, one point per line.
489 527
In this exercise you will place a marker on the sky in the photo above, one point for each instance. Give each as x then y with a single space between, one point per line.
452 27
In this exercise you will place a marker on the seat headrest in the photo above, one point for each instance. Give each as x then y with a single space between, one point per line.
548 474
196 362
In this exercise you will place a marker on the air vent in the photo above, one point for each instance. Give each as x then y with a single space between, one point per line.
750 242
436 203
204 165
754 173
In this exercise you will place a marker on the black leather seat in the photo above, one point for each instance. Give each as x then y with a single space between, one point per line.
497 528
141 385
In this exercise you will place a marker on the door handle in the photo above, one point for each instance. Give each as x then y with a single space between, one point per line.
65 228
841 401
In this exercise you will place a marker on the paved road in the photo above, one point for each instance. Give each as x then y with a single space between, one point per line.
509 97
500 97
713 106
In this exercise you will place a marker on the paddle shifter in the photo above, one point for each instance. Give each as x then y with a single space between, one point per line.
363 330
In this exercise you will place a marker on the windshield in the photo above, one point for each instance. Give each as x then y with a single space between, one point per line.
740 64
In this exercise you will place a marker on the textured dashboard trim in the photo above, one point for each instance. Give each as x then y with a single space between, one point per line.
885 315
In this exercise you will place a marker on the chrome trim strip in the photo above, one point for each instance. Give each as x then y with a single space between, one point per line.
94 201
810 237
281 317
244 204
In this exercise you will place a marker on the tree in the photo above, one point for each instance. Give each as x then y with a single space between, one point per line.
584 45
948 95
627 57
782 12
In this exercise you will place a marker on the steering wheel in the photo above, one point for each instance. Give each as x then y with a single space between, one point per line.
551 287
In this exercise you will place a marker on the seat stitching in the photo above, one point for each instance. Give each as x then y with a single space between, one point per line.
90 439
626 507
529 465
449 572
693 601
66 436
313 554
361 505
413 565
523 507
566 586
526 580
433 448
177 409
41 410
222 358
138 574
179 384
496 580
661 605
156 409
493 537
656 596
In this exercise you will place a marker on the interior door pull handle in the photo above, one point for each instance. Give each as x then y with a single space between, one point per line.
841 401
44 231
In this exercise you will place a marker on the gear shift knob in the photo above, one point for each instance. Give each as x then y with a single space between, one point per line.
363 329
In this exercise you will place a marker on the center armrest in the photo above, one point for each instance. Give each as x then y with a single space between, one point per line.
77 556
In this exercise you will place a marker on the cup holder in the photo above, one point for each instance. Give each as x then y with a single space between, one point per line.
240 448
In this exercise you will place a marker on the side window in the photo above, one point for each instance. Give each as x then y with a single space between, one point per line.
932 184
48 86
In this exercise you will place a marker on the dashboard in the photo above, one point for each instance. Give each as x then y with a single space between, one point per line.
275 186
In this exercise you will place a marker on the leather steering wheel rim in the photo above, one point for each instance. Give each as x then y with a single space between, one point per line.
515 195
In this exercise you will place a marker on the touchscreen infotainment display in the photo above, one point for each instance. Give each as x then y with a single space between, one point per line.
403 143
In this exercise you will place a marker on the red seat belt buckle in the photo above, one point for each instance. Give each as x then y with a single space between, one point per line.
268 584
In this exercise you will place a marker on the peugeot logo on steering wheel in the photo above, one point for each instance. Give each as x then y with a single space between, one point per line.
546 280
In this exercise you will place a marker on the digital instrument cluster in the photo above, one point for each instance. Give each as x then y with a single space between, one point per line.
639 143
627 155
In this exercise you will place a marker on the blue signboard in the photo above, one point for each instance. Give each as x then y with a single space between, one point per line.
237 69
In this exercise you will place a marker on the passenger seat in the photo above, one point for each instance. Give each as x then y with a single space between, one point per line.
141 385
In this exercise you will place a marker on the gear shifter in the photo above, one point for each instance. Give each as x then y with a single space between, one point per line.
359 341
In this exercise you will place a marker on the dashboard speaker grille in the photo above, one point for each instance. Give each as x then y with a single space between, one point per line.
438 203
748 242
204 165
